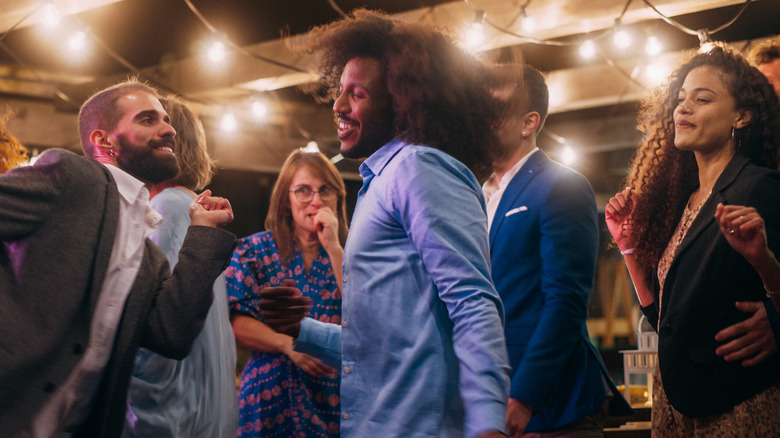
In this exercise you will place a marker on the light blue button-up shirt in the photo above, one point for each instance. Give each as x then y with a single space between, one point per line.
421 345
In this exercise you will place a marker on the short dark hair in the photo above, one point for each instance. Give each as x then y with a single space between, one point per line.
100 110
529 92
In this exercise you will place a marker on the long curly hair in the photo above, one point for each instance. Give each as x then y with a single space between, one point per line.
440 94
663 176
12 152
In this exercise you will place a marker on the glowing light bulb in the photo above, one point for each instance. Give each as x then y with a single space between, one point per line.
216 52
51 16
568 155
528 24
228 122
588 49
621 39
259 109
78 41
653 46
473 35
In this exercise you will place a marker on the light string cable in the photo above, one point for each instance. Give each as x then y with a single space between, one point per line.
235 46
154 79
336 8
698 32
296 123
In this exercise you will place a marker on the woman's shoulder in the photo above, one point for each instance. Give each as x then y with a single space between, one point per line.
258 241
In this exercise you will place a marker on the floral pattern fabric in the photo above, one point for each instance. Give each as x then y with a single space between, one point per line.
275 397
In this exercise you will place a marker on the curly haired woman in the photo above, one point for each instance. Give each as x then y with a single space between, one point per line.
698 227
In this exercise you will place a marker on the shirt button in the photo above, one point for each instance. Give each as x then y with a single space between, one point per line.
346 416
344 278
344 324
347 370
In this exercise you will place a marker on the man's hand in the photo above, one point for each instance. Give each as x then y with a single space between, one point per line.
752 340
518 414
210 211
284 307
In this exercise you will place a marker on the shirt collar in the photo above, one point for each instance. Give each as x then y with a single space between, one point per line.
129 186
132 190
493 185
379 159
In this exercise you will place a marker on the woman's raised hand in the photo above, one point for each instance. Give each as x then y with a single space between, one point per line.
617 213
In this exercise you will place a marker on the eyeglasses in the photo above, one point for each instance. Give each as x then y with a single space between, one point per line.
306 193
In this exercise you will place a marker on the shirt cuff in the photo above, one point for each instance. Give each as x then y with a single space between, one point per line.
321 340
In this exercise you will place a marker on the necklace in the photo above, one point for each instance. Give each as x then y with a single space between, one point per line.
695 204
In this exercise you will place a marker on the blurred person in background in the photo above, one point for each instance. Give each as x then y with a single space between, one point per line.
12 153
196 396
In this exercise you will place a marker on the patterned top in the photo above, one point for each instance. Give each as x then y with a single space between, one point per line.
689 215
276 398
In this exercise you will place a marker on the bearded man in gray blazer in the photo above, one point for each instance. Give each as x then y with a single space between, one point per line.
81 287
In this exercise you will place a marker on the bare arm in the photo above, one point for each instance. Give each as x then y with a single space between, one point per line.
618 216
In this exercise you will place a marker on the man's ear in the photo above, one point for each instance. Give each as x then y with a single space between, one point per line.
531 121
101 140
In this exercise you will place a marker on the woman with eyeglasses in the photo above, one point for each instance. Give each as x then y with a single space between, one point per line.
284 393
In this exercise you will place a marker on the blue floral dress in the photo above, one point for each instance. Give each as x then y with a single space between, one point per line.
275 397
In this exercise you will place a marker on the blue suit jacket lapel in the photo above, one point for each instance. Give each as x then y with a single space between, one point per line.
516 186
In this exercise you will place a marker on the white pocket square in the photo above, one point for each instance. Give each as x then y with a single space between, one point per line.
515 210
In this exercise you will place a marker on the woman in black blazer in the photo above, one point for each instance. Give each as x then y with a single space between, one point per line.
699 225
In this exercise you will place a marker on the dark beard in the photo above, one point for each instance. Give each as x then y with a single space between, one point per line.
142 163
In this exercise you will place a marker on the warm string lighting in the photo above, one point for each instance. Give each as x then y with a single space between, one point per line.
474 36
652 73
51 16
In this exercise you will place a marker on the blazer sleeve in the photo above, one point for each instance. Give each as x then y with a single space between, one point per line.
183 300
29 194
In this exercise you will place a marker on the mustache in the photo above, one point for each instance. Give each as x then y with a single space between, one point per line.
157 144
344 117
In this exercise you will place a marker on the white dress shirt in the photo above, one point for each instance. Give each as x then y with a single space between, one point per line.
494 190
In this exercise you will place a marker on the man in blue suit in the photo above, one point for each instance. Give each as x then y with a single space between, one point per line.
544 243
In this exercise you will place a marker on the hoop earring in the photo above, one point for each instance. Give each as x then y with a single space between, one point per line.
735 140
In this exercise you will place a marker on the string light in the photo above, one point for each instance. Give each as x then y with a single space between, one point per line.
621 37
653 46
78 41
474 34
51 16
216 51
228 122
528 24
259 108
568 155
588 49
